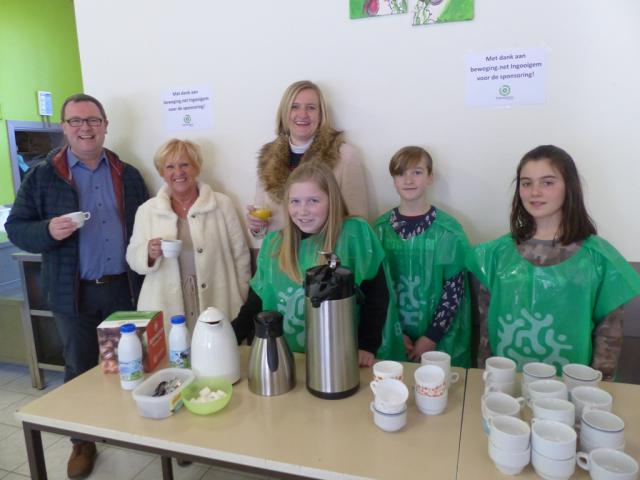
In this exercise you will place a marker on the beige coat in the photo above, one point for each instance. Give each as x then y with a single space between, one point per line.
329 147
221 254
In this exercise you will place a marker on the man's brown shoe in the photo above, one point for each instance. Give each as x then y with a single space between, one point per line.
81 460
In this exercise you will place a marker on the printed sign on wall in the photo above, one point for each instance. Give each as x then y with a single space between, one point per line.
505 78
187 109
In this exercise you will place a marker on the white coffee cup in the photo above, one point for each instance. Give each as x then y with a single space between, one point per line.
608 464
546 389
498 403
600 429
390 395
78 218
554 440
430 381
430 389
387 369
533 371
431 405
389 422
551 468
507 387
509 463
442 360
499 370
509 433
576 374
593 397
171 248
555 409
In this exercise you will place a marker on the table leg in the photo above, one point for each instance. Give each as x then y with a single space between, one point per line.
167 470
35 453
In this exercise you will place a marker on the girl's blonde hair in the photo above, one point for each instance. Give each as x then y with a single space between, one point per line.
291 235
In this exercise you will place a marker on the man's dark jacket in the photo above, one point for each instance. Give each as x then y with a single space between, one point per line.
48 191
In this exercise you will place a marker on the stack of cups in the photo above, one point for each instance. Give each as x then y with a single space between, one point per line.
576 375
389 406
442 360
533 371
509 444
553 449
431 389
500 375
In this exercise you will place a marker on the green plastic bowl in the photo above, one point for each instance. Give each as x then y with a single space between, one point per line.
192 391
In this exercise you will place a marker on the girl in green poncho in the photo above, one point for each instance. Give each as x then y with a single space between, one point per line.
552 290
425 250
316 221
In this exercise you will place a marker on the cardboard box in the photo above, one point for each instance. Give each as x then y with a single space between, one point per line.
150 330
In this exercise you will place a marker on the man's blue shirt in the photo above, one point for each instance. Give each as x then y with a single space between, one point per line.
102 248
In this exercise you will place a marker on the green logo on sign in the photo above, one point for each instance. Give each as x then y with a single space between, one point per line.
187 118
504 90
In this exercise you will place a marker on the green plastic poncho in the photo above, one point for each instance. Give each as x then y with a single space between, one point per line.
548 313
418 268
358 249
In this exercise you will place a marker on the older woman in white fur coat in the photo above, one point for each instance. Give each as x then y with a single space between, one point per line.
213 268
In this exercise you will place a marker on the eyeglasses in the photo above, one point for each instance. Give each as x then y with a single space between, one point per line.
91 121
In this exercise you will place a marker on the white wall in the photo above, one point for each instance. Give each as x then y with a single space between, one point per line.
389 85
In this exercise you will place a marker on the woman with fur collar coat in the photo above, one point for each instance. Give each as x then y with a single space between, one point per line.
304 134
213 267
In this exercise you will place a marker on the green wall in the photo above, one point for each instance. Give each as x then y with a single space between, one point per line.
38 51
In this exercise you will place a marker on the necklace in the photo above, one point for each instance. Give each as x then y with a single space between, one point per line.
184 206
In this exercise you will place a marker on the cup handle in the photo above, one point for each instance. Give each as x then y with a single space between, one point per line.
486 376
582 459
599 375
454 377
87 216
372 408
521 401
373 386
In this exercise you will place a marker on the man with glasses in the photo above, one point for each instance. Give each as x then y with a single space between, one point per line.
84 273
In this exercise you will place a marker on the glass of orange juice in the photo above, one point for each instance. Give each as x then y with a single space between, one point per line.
262 213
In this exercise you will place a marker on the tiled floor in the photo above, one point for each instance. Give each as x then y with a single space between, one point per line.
112 463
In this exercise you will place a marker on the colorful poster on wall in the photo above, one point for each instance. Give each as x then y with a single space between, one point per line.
376 8
426 12
506 78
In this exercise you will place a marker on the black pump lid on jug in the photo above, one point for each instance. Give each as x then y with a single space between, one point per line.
328 282
268 324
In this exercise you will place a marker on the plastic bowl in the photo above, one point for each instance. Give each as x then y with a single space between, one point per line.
161 407
190 393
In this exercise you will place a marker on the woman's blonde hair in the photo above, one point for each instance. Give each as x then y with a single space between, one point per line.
174 149
289 95
322 176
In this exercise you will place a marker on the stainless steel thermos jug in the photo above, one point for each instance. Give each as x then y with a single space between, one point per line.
331 330
271 365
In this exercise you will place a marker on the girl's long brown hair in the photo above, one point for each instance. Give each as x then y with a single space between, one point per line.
576 224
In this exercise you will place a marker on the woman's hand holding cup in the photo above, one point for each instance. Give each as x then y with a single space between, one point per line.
258 219
154 249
